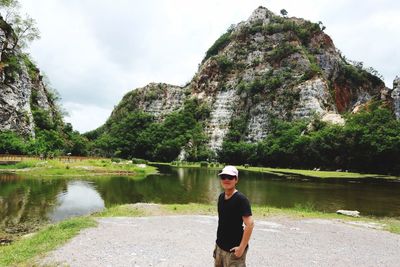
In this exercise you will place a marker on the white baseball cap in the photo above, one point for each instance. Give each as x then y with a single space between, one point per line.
229 170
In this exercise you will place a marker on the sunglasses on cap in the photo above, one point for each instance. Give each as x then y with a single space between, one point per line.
227 176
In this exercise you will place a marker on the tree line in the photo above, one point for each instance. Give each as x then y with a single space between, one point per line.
369 141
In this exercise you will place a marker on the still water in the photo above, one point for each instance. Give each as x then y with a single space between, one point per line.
34 200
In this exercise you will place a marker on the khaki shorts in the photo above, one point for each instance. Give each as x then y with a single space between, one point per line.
223 258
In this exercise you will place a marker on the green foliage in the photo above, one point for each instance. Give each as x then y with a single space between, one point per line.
223 63
32 69
307 30
12 66
12 143
356 74
6 3
46 142
368 142
204 164
116 160
42 119
267 83
139 161
314 68
219 44
139 135
237 128
255 27
282 51
304 31
237 152
24 29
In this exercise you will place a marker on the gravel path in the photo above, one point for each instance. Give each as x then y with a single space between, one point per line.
189 241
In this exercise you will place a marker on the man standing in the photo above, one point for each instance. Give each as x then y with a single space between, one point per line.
233 210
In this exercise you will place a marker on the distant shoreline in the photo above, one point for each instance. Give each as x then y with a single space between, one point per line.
285 171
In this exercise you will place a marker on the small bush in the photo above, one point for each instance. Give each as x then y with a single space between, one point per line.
204 164
224 63
139 161
219 44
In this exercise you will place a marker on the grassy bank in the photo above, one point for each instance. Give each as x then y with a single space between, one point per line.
316 174
94 167
282 171
85 167
26 250
259 212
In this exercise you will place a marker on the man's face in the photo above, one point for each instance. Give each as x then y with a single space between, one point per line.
228 182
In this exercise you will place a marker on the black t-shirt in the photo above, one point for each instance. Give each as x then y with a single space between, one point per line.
230 221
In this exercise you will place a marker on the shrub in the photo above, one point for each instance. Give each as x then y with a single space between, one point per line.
224 63
282 51
141 161
204 164
219 44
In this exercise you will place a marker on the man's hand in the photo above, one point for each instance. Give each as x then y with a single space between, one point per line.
238 251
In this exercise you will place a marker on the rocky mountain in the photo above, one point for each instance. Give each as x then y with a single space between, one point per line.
25 100
268 67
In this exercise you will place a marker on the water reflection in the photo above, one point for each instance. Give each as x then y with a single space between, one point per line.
79 198
26 200
35 200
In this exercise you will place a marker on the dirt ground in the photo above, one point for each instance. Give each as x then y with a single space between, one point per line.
188 240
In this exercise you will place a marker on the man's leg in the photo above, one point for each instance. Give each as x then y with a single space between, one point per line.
218 257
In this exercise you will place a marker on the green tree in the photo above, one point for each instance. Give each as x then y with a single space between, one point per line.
11 143
24 27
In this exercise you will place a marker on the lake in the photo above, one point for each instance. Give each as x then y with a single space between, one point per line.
26 200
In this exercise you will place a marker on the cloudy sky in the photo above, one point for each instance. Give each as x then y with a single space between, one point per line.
95 51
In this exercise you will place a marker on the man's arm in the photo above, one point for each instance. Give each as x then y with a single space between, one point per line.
249 225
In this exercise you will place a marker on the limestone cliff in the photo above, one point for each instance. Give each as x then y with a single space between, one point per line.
22 90
395 96
264 68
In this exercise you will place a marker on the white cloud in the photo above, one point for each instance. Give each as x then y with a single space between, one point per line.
95 51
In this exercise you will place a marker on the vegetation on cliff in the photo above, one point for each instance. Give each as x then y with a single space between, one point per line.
138 134
368 142
49 134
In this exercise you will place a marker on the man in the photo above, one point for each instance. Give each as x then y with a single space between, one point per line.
233 210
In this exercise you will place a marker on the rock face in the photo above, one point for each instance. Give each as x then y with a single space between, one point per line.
396 96
157 99
21 87
265 68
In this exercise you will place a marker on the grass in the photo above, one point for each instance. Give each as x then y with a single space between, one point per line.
27 250
86 167
316 174
47 239
284 171
105 166
259 212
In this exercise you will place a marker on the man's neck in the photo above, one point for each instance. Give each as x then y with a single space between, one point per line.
229 193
